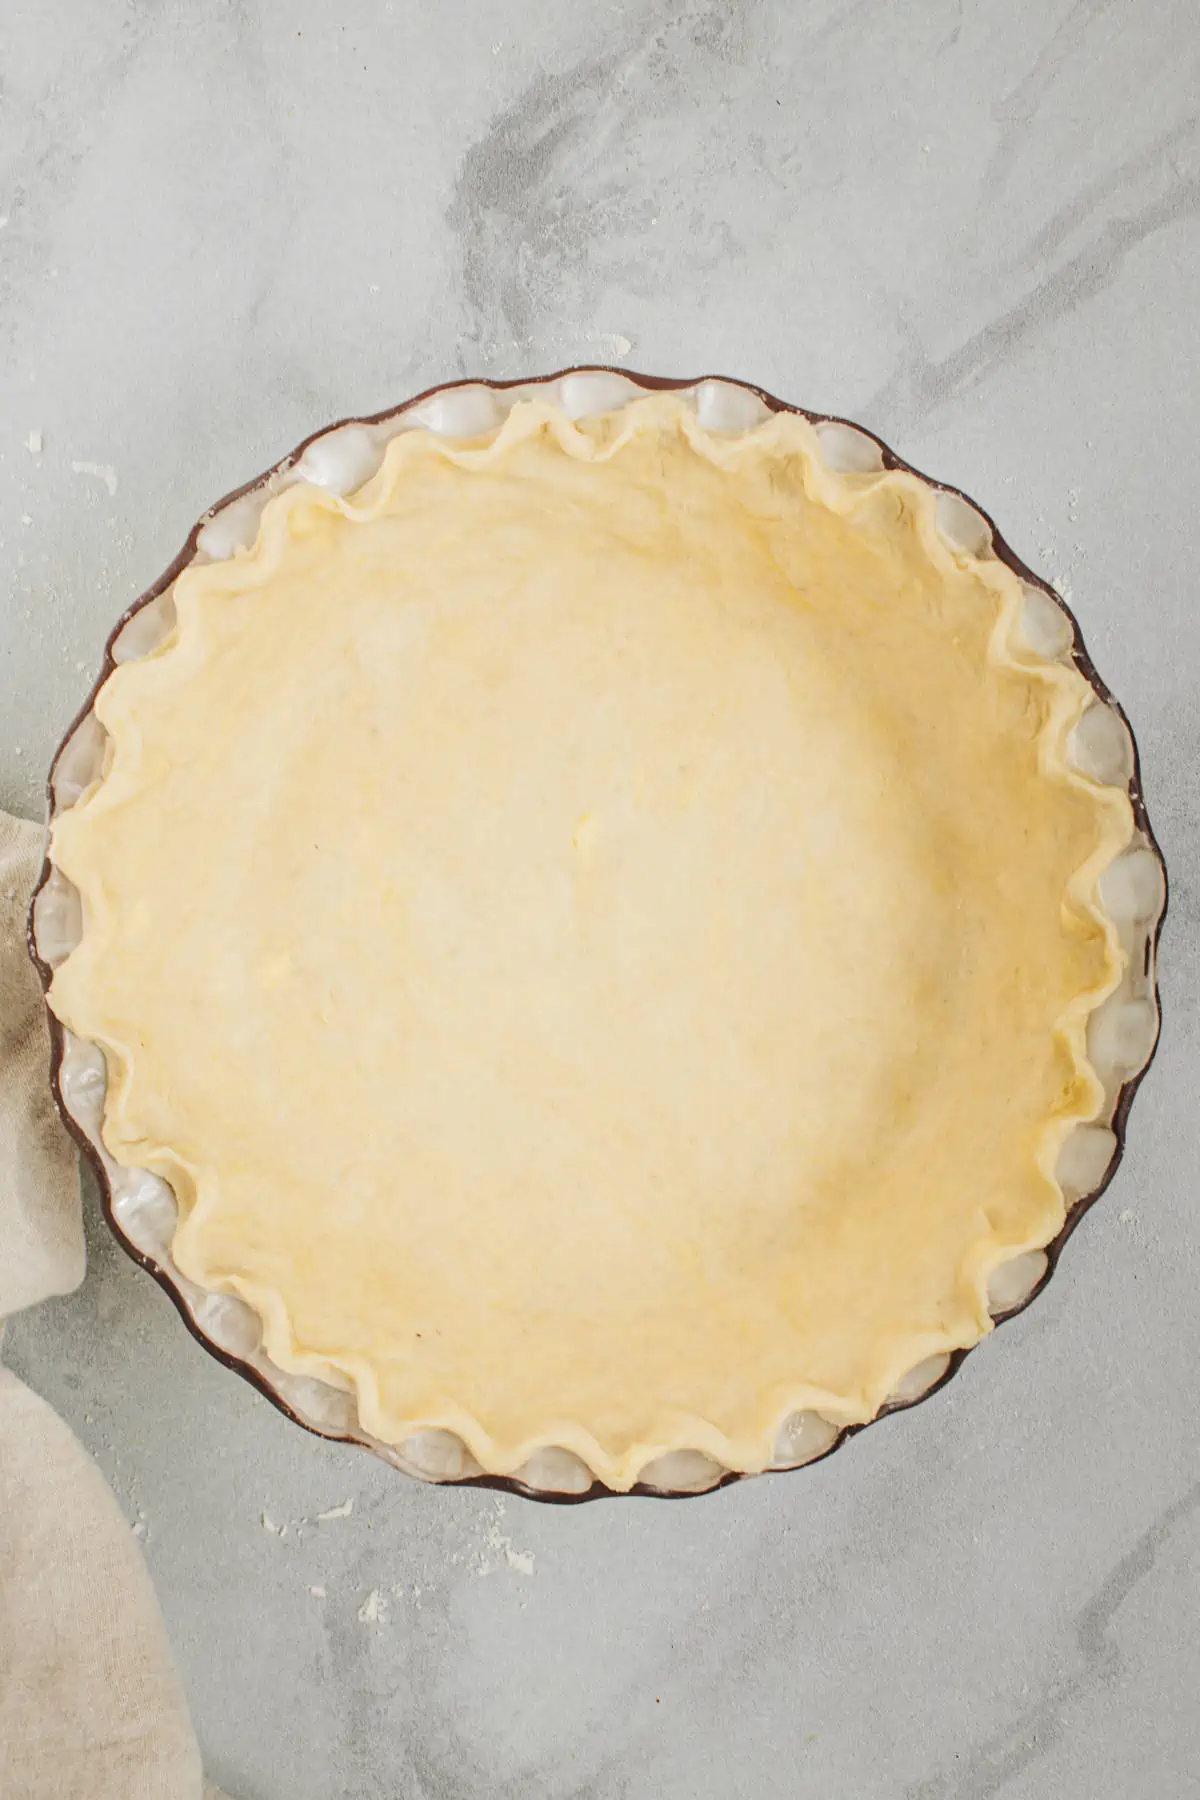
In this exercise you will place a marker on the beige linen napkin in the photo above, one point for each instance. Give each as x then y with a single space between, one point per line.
90 1705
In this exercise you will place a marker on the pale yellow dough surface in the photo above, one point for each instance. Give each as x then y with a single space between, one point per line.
598 931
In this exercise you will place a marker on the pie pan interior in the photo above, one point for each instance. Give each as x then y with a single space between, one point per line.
141 1207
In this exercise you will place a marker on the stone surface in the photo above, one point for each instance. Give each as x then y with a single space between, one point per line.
971 227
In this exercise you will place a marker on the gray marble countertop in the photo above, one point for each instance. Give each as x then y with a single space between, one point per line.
973 227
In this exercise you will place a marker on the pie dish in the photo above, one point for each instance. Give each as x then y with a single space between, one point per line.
601 931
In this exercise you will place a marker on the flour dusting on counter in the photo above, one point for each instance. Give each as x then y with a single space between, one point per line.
100 471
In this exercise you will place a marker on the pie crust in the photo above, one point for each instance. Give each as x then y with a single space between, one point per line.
602 932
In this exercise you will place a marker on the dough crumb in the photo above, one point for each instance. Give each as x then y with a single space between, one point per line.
337 1512
373 1610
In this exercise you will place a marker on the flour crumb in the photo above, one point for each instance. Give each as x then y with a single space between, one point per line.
611 345
33 443
318 1593
100 471
26 519
1128 1217
500 1545
373 1610
337 1512
268 1524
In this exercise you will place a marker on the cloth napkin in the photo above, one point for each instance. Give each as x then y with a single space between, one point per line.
90 1705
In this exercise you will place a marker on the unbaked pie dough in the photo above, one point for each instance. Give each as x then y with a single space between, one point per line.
598 930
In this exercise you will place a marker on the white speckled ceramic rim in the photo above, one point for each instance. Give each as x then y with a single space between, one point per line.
141 1207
